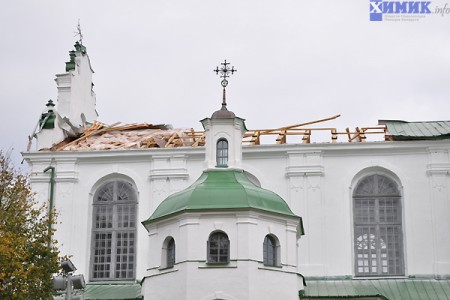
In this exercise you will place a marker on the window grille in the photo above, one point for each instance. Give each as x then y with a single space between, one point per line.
377 217
114 232
222 153
218 248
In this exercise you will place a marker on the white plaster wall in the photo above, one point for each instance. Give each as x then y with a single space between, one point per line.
245 277
230 129
316 180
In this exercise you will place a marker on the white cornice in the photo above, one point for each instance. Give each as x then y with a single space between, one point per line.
62 176
130 154
327 149
346 149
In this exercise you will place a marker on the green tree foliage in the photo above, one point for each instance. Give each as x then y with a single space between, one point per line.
28 253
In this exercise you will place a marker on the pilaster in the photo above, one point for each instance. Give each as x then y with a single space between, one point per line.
304 172
167 175
438 171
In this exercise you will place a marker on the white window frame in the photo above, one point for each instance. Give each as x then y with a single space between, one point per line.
119 216
378 227
222 152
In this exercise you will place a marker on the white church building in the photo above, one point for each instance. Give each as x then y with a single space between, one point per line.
154 212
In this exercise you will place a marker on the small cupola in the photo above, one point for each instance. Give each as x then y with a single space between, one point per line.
224 131
47 120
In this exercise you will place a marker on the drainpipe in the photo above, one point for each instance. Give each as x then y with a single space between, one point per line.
52 189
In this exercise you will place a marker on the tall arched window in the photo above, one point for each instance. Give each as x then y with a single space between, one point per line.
170 253
218 248
222 153
270 251
114 232
378 234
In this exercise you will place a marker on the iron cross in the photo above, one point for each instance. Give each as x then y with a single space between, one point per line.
225 71
78 33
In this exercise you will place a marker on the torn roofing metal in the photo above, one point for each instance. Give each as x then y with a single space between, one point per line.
402 130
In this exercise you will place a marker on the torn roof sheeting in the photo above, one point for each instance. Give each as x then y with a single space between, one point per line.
402 130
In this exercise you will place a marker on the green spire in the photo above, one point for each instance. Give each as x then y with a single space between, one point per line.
47 120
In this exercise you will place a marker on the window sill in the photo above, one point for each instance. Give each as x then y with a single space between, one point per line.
164 272
112 281
212 265
271 266
379 277
165 268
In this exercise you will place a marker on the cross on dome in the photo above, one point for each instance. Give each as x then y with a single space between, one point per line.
224 71
78 33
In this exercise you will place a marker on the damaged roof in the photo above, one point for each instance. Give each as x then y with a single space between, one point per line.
135 136
100 136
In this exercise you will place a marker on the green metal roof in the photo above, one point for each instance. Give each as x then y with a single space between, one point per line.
401 130
391 289
221 190
113 291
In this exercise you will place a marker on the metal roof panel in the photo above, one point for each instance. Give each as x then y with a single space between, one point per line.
113 291
401 130
392 289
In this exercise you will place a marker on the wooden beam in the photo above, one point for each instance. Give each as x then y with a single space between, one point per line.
307 137
85 136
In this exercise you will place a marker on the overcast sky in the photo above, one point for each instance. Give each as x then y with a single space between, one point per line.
297 61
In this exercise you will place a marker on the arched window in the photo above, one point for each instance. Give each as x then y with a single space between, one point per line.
378 234
114 232
170 254
222 153
218 248
270 255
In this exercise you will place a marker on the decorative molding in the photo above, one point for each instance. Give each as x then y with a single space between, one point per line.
309 170
247 221
66 176
188 222
179 173
62 176
438 181
438 169
39 178
218 225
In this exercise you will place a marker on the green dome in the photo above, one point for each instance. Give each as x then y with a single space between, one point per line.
221 190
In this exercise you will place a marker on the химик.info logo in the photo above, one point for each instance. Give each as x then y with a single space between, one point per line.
380 7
